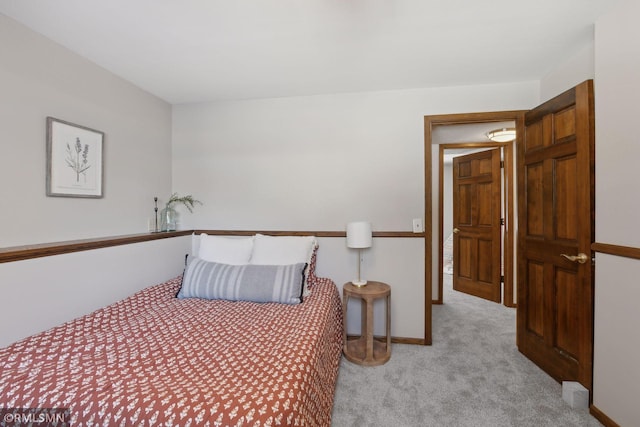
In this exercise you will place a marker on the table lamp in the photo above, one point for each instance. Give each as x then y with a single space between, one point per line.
359 236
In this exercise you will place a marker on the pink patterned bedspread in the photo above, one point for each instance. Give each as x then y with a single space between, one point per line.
152 359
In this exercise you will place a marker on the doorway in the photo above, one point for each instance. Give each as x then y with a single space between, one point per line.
555 211
434 255
433 246
472 207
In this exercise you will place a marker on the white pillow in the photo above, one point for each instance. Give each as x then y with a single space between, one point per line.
282 250
225 250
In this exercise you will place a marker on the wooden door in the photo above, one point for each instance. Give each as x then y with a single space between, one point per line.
476 222
556 229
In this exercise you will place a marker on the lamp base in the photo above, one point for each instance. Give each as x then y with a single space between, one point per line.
359 283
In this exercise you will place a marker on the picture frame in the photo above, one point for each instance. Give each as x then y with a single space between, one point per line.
75 160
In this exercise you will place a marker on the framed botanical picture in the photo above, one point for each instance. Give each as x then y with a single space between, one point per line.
74 160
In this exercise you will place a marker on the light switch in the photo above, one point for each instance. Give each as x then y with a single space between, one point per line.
417 225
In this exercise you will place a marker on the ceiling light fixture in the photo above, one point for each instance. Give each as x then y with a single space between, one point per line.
502 135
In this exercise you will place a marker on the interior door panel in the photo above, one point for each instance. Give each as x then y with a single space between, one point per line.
556 216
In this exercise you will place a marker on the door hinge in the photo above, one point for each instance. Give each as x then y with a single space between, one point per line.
501 221
501 164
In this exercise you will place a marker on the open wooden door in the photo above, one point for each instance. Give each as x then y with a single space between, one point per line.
476 222
556 229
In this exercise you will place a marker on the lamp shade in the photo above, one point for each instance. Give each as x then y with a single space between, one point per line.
359 234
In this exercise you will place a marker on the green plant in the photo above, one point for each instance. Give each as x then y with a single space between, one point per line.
188 201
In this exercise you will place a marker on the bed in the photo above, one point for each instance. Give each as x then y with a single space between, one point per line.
154 359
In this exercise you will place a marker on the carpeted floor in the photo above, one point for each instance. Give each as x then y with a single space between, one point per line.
472 375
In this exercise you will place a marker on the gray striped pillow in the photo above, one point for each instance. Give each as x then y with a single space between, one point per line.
257 283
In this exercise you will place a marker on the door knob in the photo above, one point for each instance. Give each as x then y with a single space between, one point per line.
455 230
580 258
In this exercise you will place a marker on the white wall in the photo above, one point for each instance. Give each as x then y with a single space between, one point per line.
398 262
617 90
447 200
40 293
318 162
39 78
576 69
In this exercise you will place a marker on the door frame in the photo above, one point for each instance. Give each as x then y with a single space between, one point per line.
450 119
509 283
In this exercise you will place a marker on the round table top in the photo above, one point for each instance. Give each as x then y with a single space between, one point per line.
372 288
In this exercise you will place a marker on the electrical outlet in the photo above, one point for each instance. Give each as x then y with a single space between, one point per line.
417 225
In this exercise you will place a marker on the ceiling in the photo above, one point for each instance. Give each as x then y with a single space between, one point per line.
186 51
466 133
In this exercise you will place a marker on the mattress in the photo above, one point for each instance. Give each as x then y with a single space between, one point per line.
152 359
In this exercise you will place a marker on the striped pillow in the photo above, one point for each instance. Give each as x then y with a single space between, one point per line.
250 282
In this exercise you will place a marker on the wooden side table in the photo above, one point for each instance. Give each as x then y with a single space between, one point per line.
367 350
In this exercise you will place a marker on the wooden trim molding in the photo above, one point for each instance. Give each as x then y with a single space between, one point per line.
395 340
413 341
623 251
271 233
510 189
20 253
600 416
376 234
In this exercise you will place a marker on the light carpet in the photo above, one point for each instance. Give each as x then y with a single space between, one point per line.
472 375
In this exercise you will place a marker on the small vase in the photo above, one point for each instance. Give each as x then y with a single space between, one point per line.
168 219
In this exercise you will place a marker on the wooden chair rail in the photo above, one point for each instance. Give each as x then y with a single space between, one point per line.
377 234
20 253
623 251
